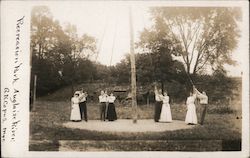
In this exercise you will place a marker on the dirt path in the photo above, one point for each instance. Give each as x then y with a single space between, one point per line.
126 125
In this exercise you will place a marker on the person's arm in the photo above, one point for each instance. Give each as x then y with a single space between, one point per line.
156 90
161 97
86 94
100 98
167 99
107 98
81 96
198 93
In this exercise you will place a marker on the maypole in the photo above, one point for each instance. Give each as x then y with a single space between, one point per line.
133 73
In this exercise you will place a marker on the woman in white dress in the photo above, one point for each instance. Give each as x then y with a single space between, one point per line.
75 110
191 117
166 115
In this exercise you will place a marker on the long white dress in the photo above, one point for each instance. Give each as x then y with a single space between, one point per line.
166 115
191 116
75 110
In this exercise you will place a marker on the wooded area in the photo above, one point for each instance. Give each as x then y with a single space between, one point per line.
203 40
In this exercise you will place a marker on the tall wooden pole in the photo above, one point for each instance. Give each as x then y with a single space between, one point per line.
133 73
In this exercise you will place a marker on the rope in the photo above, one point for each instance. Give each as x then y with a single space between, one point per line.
113 44
101 42
190 79
150 54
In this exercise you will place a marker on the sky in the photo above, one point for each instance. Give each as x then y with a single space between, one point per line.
109 24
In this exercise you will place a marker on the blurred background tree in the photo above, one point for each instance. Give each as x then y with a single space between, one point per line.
200 36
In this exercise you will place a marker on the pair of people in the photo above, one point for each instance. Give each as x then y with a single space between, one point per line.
162 107
191 116
79 106
163 111
107 106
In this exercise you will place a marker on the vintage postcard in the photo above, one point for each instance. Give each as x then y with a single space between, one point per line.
125 79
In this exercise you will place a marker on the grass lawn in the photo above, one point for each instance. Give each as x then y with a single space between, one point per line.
47 118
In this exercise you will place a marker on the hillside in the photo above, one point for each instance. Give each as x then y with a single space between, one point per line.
217 93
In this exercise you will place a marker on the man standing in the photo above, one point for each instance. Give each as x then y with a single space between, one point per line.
203 102
103 101
83 105
158 104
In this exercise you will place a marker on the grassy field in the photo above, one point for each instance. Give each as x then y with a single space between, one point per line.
47 117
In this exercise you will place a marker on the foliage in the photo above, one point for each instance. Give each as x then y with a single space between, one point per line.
200 36
59 56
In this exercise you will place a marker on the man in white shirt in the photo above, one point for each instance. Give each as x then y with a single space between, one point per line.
203 102
102 101
158 104
83 105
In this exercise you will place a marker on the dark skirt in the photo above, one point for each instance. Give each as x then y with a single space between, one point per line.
111 113
158 106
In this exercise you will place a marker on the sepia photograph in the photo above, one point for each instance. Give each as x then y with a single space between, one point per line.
122 78
125 78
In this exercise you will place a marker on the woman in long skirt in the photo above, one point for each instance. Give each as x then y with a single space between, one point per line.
111 112
191 117
75 110
166 115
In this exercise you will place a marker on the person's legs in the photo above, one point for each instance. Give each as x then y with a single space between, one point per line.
81 109
85 111
155 114
203 114
102 109
157 111
101 113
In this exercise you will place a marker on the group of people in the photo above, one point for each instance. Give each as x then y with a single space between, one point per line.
162 106
79 106
163 110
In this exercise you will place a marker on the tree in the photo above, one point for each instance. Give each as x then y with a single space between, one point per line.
156 62
46 35
43 31
122 71
59 56
79 67
200 36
